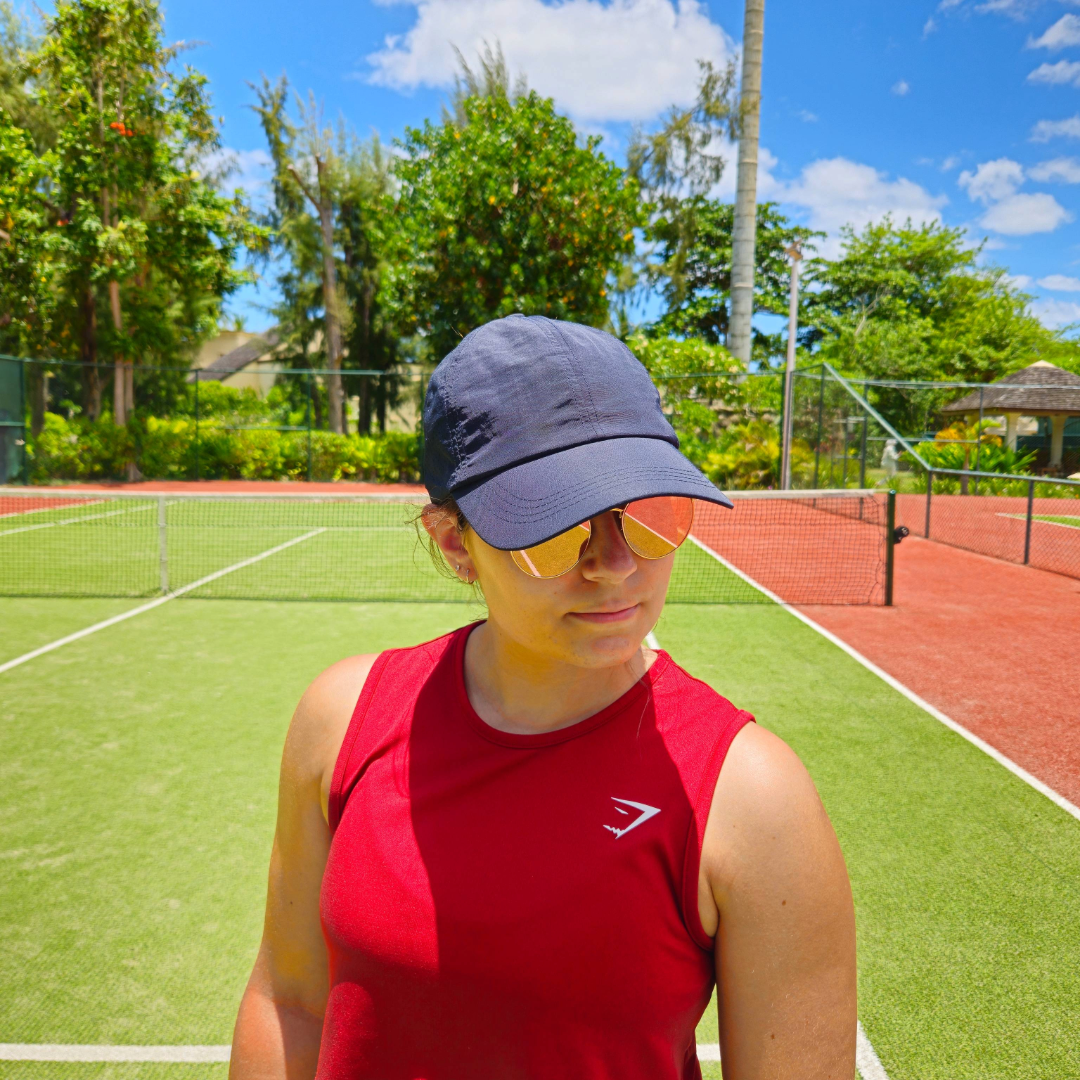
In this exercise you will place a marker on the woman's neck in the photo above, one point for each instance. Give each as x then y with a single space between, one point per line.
516 689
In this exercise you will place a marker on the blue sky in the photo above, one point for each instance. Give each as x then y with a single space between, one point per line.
967 110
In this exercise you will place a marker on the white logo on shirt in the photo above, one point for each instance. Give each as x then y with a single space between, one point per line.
646 813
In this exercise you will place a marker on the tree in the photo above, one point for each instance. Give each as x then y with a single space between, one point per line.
694 268
675 167
503 210
912 302
331 205
145 236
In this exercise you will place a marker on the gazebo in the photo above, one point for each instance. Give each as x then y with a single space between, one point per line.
1039 390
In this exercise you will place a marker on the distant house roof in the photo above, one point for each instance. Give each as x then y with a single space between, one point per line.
239 358
1039 389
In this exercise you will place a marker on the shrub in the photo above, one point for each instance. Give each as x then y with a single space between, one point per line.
166 449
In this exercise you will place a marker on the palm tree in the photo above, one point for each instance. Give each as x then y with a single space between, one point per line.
745 228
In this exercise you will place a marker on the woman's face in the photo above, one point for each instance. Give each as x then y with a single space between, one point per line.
595 615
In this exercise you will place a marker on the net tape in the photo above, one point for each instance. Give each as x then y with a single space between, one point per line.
805 547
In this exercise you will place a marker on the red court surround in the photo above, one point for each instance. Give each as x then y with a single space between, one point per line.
995 646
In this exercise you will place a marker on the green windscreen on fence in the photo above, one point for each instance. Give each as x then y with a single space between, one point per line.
12 431
800 547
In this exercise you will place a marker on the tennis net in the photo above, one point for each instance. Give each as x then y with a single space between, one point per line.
801 547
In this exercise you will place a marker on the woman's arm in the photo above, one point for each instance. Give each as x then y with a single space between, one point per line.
775 892
280 1021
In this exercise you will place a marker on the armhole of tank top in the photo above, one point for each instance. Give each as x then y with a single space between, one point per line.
695 838
337 797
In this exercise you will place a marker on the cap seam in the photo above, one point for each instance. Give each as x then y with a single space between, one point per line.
582 388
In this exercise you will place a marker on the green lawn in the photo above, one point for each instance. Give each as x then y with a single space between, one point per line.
1073 521
137 787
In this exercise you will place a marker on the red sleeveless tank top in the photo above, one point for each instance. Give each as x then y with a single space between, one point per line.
501 906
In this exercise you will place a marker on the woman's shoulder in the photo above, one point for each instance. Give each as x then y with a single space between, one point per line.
320 722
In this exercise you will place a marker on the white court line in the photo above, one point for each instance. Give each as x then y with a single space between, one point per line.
74 520
195 1055
869 1065
154 603
866 1059
897 685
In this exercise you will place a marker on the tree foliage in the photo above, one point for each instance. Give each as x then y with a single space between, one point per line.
355 185
506 211
694 269
913 302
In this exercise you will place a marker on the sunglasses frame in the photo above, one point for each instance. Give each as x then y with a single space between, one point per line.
618 511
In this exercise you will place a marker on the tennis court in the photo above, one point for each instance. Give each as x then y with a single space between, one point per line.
139 781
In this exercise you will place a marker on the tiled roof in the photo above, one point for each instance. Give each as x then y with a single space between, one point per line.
1041 388
239 358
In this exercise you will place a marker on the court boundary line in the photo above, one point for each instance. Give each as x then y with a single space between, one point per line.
105 623
1021 773
70 521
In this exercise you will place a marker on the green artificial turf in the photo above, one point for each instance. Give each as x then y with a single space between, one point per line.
27 623
1072 521
966 880
137 790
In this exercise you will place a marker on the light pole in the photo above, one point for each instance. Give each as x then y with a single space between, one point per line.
795 254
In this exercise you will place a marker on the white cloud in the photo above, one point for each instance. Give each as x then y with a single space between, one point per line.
901 89
1065 170
950 163
1060 74
768 187
1056 313
929 27
1022 215
1060 283
993 180
835 192
1065 32
1045 130
1019 281
604 62
807 117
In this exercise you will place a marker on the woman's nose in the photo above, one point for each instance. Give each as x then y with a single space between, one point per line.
608 557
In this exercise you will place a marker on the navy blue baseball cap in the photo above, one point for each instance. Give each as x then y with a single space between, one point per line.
533 425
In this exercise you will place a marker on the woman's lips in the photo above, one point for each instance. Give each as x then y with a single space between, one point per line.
622 615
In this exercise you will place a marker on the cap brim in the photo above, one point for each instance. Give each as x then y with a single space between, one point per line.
532 502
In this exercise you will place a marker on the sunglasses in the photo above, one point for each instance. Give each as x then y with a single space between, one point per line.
652 528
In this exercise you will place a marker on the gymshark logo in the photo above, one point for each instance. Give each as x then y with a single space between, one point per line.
646 813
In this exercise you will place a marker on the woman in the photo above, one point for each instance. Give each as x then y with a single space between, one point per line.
513 852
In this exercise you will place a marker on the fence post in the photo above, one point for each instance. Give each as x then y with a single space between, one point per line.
978 441
198 464
163 545
817 441
1030 513
309 427
862 452
929 493
890 547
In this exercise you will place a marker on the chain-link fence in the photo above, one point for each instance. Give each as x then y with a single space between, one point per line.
187 424
970 483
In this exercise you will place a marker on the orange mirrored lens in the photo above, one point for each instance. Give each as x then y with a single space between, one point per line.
656 527
556 556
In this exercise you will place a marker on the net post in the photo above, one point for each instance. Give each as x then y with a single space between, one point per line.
163 546
929 494
1030 514
890 547
862 449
